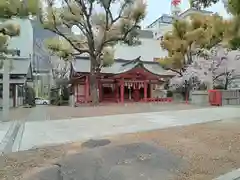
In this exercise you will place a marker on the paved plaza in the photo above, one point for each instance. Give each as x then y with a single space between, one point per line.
40 133
40 128
134 153
4 129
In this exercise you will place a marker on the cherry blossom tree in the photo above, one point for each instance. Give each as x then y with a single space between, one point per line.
61 57
217 66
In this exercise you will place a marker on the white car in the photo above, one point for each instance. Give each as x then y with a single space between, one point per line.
41 101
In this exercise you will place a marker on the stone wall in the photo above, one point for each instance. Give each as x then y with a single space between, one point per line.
199 97
177 97
158 92
230 97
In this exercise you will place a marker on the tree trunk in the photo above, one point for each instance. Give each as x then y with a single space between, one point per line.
93 82
94 89
226 84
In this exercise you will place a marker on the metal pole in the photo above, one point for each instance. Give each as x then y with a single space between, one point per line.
6 68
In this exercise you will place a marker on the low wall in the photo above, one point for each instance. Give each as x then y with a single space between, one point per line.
199 97
72 101
177 97
230 97
160 93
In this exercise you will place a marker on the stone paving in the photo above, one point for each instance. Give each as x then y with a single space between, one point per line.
42 113
18 113
4 127
40 133
233 175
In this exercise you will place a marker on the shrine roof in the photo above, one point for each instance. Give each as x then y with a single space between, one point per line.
127 57
121 66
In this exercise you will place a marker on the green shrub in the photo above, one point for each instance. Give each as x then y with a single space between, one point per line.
169 94
218 87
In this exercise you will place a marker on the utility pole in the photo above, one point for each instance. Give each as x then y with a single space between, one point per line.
6 78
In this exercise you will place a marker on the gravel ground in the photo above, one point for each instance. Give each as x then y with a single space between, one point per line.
65 112
209 149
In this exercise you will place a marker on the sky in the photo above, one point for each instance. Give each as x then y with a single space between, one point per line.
155 8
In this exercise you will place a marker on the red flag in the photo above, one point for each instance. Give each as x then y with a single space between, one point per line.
176 2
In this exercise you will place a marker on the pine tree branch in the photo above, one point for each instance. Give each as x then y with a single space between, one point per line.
57 31
80 25
89 28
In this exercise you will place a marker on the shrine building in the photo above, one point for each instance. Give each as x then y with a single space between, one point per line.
134 76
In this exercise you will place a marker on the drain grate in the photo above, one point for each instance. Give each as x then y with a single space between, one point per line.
92 143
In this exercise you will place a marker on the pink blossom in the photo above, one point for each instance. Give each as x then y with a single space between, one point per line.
214 68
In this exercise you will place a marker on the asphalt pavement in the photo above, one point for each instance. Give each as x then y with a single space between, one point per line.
140 161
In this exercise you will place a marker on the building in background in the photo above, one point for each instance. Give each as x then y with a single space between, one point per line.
42 66
175 7
134 76
21 71
163 24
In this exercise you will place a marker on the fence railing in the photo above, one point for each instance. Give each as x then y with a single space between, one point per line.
230 97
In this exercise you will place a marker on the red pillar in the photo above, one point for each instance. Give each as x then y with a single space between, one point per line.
150 90
86 89
145 91
76 92
121 91
116 92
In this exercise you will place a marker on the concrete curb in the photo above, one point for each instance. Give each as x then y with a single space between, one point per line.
8 140
18 139
234 175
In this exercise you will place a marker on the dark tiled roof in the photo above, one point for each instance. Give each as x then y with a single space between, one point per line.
82 64
148 50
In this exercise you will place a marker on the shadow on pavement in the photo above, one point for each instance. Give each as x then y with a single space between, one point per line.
139 161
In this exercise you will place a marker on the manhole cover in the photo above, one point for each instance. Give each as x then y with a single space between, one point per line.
96 143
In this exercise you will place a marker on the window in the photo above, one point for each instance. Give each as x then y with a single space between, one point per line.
167 19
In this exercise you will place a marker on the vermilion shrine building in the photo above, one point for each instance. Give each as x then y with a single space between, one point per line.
134 76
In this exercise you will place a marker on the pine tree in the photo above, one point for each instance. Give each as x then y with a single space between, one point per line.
190 37
200 4
8 10
232 33
99 29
